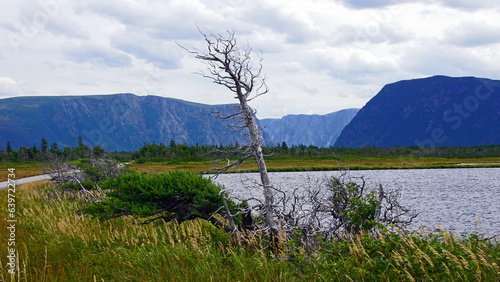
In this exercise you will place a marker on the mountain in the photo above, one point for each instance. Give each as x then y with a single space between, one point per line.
126 121
317 130
116 122
434 111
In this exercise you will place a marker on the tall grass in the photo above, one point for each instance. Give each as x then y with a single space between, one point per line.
57 243
22 169
326 164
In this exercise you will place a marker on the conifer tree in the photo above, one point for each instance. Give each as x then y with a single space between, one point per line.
44 145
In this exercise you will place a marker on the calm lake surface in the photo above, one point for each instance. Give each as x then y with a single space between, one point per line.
459 199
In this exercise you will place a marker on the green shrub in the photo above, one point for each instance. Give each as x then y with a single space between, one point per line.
174 195
73 186
351 205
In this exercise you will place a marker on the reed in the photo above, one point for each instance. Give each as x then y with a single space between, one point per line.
55 242
313 164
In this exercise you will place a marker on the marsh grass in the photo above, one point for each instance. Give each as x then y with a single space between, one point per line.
57 243
354 163
22 169
326 165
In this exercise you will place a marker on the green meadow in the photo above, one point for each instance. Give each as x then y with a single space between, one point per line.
359 163
56 242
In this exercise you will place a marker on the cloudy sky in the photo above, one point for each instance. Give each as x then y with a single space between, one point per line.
319 56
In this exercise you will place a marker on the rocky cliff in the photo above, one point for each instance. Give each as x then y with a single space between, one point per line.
125 122
115 122
317 130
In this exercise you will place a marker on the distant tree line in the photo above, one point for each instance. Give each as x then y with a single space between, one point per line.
175 153
181 152
32 153
281 151
301 151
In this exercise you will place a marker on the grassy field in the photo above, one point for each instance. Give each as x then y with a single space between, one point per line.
55 242
31 169
22 170
314 165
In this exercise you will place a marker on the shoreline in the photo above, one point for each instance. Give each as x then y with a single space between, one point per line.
323 165
285 166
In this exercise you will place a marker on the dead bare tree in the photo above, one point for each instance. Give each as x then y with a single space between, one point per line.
331 208
232 66
91 173
341 206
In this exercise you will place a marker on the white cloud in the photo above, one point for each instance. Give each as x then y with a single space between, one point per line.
291 67
164 54
295 24
354 65
66 27
361 4
10 88
437 58
458 4
319 56
165 20
370 33
473 33
472 5
95 54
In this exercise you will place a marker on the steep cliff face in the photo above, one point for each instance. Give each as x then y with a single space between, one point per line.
115 122
435 111
317 130
125 122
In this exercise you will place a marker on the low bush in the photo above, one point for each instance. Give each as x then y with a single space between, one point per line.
354 209
175 195
73 186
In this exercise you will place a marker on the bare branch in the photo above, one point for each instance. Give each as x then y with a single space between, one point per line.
87 192
228 212
229 165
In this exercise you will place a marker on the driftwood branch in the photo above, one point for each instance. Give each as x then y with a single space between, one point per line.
228 212
87 192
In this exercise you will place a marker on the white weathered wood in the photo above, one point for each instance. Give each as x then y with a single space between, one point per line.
230 66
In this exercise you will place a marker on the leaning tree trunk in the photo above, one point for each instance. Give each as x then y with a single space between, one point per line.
231 67
259 158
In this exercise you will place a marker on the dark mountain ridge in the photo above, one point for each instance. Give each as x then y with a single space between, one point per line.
126 121
116 122
434 111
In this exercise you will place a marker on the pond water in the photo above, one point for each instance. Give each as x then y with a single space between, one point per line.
460 199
